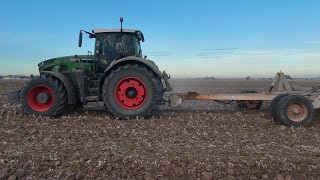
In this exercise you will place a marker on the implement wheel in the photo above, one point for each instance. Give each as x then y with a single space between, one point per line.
44 96
249 105
131 90
273 106
295 110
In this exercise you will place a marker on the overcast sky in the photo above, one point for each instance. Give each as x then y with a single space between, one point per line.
188 38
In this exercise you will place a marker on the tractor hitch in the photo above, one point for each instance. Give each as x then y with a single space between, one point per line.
166 77
14 97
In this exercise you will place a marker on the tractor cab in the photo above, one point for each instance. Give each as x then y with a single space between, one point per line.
114 44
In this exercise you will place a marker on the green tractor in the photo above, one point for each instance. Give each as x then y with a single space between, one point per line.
116 73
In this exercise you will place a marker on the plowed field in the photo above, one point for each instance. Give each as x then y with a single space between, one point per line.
199 140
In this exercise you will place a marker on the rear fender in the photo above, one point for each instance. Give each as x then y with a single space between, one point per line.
150 64
139 60
72 96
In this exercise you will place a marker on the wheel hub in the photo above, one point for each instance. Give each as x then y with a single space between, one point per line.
131 93
297 112
43 97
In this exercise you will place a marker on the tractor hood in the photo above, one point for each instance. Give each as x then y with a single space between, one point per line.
55 64
65 58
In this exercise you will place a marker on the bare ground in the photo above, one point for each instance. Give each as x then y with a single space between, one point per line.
200 140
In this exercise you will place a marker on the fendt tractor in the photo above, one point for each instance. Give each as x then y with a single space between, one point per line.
116 73
132 86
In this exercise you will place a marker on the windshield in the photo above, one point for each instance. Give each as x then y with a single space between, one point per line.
112 46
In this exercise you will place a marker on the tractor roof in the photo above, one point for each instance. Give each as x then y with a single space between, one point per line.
96 31
134 31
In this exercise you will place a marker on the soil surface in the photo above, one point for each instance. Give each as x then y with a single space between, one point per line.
199 140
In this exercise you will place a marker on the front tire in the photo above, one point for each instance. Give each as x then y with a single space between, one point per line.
131 91
44 96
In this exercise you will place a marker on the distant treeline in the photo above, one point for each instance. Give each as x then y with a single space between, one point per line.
249 78
16 77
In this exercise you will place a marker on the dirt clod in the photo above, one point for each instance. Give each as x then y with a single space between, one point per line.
279 177
80 175
4 173
288 177
230 171
149 178
207 176
231 178
264 177
12 177
209 168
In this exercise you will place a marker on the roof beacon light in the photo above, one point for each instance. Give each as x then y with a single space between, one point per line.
121 21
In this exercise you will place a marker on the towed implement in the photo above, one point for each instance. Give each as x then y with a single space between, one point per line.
130 85
289 105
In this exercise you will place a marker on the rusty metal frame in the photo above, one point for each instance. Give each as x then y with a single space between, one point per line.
280 85
231 97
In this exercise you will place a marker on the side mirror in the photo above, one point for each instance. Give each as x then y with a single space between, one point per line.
80 39
92 36
145 56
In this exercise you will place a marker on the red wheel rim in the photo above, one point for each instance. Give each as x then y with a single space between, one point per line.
33 98
130 93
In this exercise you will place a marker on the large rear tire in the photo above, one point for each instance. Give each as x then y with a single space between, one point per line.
44 96
295 110
131 91
159 93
